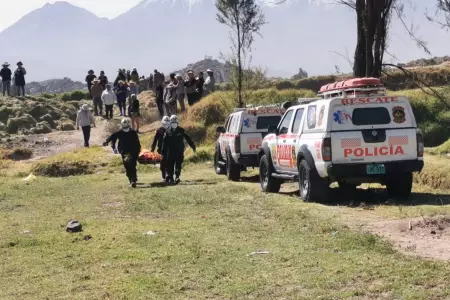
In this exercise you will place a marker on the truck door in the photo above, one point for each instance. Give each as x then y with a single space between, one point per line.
283 156
292 139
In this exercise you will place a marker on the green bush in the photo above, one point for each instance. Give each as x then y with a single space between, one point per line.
48 96
75 95
441 149
284 84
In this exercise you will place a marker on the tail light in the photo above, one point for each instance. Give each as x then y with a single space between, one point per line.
326 149
420 144
237 144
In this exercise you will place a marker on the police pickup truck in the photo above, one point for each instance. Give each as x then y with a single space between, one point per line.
240 139
353 133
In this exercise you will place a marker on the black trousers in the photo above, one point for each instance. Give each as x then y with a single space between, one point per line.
163 166
129 162
98 105
122 106
109 111
159 100
174 163
86 134
192 98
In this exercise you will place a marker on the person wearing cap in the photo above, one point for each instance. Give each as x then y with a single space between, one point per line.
170 96
97 91
180 92
85 120
89 78
135 75
103 79
109 98
19 78
121 92
129 148
6 74
134 112
173 147
210 83
190 88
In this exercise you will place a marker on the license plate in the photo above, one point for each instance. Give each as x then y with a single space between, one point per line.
375 169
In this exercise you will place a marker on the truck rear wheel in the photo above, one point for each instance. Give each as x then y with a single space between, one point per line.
219 164
400 186
268 183
233 169
312 186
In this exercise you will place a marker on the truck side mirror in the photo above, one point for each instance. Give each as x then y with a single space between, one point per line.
272 129
220 129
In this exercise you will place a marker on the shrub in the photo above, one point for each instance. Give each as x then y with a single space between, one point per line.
75 95
16 154
284 84
203 154
441 149
63 168
48 96
24 122
195 130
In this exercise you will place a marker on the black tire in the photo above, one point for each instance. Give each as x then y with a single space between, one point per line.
233 169
268 183
400 186
220 169
312 187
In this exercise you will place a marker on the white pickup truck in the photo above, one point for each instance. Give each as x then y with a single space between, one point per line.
351 134
240 139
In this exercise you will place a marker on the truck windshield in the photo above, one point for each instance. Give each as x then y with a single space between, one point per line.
371 116
264 122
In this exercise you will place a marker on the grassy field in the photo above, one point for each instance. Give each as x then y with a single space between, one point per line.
206 229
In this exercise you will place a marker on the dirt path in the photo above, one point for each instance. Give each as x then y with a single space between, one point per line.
45 145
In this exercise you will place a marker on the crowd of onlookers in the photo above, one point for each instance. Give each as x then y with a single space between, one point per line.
19 79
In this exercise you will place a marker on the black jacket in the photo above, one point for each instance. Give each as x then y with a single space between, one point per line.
128 142
119 77
5 74
174 141
158 139
134 107
121 92
200 83
103 81
19 78
89 79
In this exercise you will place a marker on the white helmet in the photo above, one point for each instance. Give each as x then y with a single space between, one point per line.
173 119
125 123
165 122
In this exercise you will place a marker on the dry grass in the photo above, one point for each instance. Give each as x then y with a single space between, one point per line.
15 153
436 173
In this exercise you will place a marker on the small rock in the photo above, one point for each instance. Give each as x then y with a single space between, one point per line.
433 232
26 232
74 226
260 252
151 232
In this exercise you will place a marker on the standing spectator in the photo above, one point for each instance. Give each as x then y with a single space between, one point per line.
85 120
134 112
128 76
97 91
191 85
121 92
158 83
180 92
103 80
19 78
133 89
199 89
210 83
170 97
150 82
135 75
89 78
109 98
120 76
6 74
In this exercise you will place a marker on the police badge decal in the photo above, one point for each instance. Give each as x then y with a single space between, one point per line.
399 115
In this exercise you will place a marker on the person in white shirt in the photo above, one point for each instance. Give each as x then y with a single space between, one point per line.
109 98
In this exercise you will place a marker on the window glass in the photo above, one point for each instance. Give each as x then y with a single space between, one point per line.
264 122
297 120
371 116
284 126
311 117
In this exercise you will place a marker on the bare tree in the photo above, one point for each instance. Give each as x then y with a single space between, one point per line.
442 14
244 18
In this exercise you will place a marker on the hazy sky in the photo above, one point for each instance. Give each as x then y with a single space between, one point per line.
12 10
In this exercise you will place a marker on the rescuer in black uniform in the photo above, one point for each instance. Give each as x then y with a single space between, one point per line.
158 141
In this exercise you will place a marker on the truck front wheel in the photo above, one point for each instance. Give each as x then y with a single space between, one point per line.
268 183
312 186
233 169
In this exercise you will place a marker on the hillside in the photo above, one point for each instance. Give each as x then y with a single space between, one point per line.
222 72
